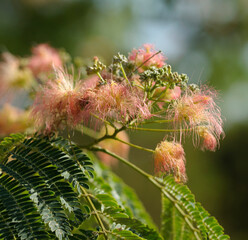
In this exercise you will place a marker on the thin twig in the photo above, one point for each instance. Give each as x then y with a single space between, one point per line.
161 130
146 61
134 145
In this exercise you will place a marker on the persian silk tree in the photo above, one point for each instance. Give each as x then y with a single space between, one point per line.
54 187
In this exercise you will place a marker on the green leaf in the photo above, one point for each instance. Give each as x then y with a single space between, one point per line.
33 172
50 208
196 217
125 196
139 228
7 230
21 209
125 234
7 144
173 225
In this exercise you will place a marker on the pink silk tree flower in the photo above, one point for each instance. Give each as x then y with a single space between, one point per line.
207 139
163 95
91 82
44 58
209 142
172 94
169 157
119 148
196 109
59 103
167 94
120 102
145 56
13 120
12 75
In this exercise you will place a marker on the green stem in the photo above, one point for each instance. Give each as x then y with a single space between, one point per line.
134 145
157 121
154 182
160 130
89 132
99 75
124 74
146 60
97 148
98 218
106 136
105 121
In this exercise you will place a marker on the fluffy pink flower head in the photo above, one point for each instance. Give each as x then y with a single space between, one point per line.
59 103
169 158
44 58
114 146
120 102
196 109
142 55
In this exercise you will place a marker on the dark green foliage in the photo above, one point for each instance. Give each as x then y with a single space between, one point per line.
124 195
38 168
173 222
41 194
48 191
6 226
21 210
84 235
125 234
117 210
8 143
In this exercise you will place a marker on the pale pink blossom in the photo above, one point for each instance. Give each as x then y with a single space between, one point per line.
209 142
119 148
91 82
13 120
167 94
59 103
207 139
169 157
12 75
142 55
118 101
172 94
164 94
44 59
196 109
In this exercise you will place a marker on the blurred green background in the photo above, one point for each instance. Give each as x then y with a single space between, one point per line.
206 39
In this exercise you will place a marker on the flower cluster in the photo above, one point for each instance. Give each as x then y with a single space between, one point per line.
126 94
